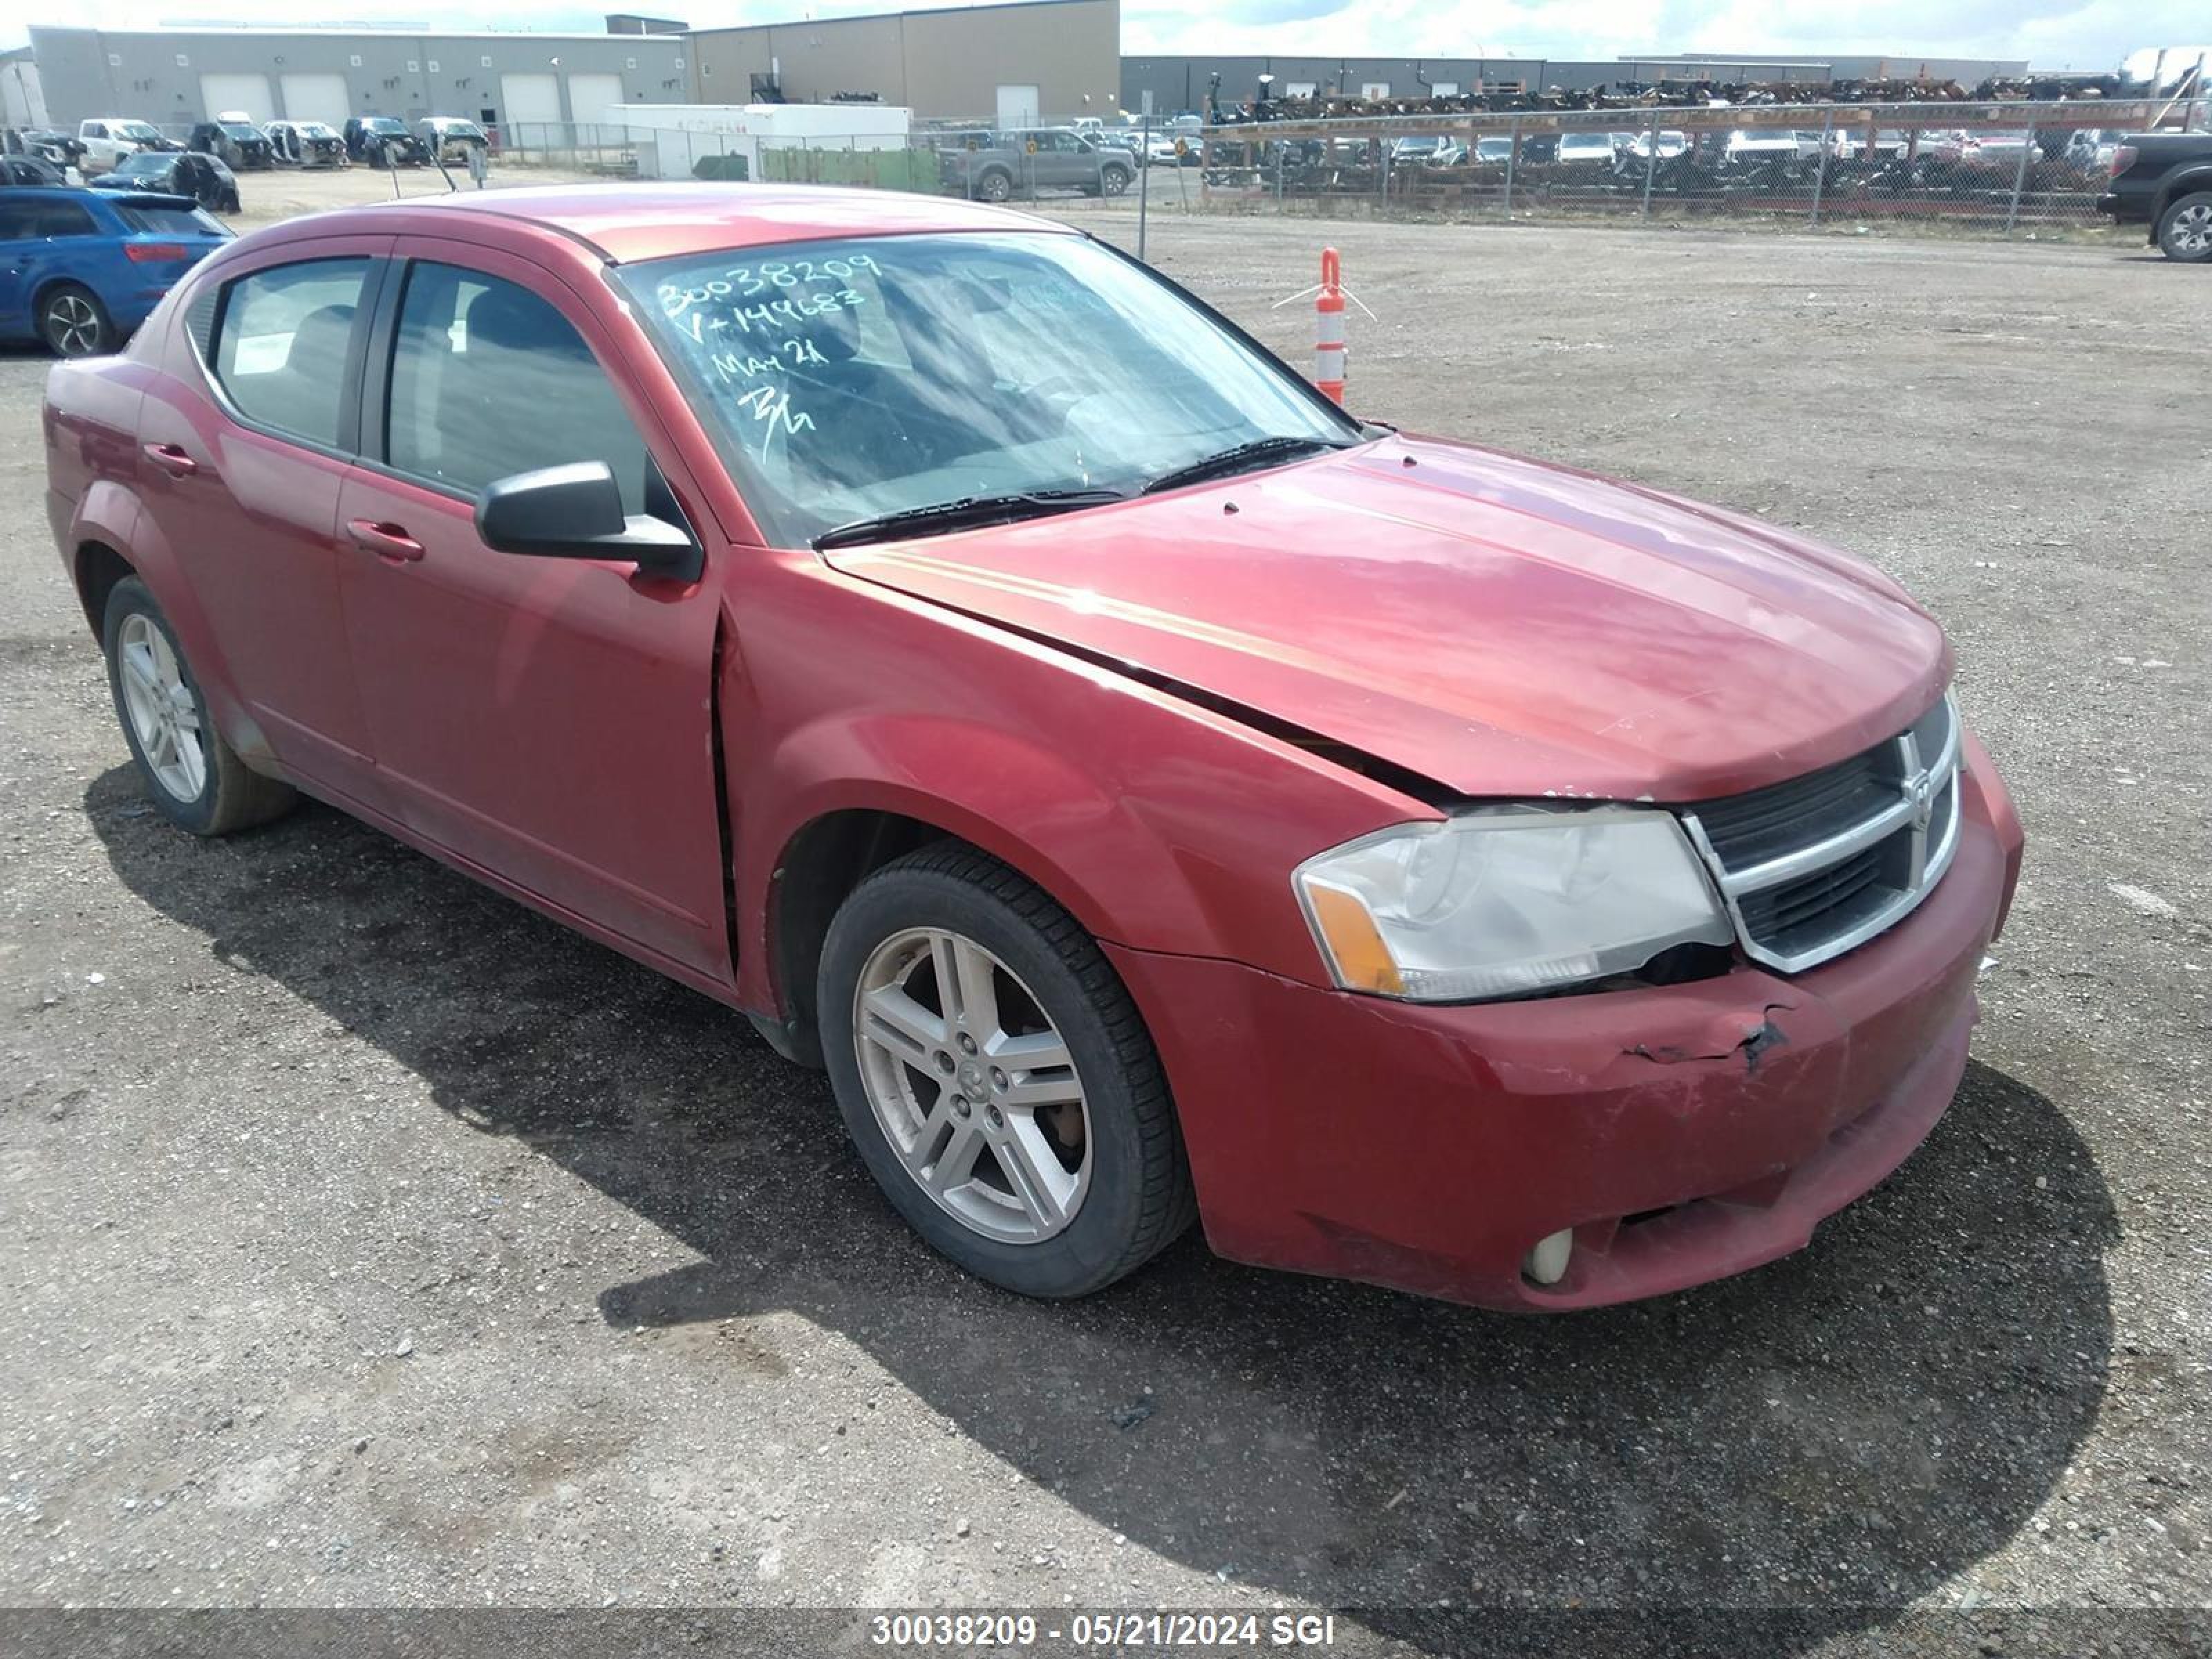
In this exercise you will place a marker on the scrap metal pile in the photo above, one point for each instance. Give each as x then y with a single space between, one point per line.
1671 94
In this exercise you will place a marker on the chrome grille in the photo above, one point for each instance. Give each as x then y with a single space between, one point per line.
1812 866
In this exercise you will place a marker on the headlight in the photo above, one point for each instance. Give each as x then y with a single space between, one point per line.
1501 902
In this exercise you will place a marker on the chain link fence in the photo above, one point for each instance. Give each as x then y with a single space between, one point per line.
2001 168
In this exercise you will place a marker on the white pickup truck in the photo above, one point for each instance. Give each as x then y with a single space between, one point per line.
108 138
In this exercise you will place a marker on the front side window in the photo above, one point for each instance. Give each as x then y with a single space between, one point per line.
282 343
488 381
846 380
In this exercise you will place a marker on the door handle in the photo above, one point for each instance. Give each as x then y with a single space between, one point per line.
387 541
171 460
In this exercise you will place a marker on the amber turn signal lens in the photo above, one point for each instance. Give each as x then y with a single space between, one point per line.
1363 961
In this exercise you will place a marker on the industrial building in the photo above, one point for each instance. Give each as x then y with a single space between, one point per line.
1014 65
176 77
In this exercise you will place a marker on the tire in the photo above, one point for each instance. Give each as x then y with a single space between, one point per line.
996 186
1114 180
73 323
219 793
2184 229
1128 1194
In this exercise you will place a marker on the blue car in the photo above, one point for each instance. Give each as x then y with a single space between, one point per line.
81 269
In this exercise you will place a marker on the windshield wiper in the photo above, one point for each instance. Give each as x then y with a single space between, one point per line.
1238 457
966 512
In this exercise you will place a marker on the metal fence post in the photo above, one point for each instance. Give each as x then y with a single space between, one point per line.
1650 164
2018 181
1820 167
1145 185
1512 158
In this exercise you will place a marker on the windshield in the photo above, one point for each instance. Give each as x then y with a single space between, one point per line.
143 166
847 379
314 129
143 131
385 124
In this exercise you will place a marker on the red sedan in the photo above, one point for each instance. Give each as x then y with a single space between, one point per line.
1149 792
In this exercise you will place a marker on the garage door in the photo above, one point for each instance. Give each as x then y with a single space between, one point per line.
249 93
590 97
315 98
528 98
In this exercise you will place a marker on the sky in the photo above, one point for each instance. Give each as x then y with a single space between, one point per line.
2091 34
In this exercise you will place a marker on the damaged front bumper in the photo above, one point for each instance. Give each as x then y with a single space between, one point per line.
1682 1133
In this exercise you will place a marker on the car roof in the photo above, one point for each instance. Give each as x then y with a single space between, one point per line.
626 222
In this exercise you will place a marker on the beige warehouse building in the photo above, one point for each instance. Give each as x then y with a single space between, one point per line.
1014 65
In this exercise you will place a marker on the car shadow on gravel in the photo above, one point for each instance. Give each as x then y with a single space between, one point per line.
1842 1430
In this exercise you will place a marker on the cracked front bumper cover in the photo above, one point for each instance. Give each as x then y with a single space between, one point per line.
1686 1132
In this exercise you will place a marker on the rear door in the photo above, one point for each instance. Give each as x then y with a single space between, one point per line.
241 475
549 720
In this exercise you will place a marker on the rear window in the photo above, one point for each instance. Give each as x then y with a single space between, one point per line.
159 220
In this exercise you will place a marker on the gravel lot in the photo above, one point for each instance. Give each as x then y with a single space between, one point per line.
370 1241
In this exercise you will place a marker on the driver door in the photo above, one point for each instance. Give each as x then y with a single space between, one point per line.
546 720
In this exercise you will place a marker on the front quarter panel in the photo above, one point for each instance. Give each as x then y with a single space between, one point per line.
1156 823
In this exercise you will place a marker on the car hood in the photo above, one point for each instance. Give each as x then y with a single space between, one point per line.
1494 624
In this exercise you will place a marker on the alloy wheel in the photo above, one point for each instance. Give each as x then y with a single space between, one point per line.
165 716
2191 229
72 326
974 1087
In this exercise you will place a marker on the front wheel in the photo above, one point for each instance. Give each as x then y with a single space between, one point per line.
995 186
195 777
1116 180
74 323
996 1078
2185 230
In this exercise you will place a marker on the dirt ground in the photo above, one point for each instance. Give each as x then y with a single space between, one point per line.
370 1241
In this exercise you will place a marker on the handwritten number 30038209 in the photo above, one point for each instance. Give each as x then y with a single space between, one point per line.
744 282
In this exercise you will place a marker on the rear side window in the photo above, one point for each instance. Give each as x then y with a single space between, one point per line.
36 217
168 220
488 380
281 344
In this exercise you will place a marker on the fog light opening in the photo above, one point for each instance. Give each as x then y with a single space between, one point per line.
1547 1263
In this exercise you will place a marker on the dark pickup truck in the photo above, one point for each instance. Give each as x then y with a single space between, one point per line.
2164 180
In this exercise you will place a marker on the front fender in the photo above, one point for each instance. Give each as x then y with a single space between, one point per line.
1158 824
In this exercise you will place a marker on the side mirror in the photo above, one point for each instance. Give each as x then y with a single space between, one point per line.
575 512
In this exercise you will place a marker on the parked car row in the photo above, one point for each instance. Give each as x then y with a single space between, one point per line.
2085 150
103 143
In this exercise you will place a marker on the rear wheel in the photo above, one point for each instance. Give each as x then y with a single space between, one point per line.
73 323
995 186
996 1078
194 776
2185 230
